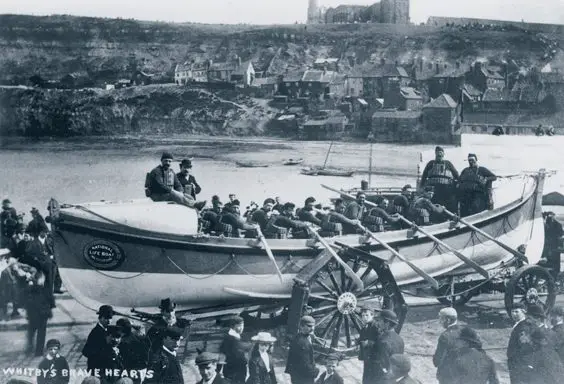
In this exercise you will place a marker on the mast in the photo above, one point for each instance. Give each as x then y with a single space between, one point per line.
327 157
371 139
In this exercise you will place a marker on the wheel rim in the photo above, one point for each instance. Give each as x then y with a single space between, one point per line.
531 285
336 306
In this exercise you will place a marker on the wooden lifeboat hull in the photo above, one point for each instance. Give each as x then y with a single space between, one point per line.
133 253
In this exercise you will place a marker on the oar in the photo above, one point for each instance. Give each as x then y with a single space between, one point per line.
458 254
516 253
348 270
269 252
418 270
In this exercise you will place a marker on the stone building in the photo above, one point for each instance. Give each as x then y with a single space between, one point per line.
440 115
386 11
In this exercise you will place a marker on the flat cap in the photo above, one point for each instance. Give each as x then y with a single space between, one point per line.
308 320
167 155
233 321
53 343
205 358
439 149
400 363
114 331
6 201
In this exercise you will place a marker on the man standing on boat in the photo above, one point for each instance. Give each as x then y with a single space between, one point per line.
442 176
162 184
475 188
188 181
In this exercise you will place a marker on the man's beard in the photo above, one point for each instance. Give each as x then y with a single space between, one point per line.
166 166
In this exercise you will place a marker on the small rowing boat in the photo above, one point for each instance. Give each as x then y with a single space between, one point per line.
326 172
293 161
244 164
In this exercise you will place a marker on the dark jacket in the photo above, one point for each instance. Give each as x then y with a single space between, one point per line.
260 216
516 350
55 369
367 338
559 340
469 366
108 359
301 364
95 343
258 374
218 380
157 181
541 366
237 223
405 380
333 379
448 172
308 216
166 369
134 351
445 346
155 334
377 363
188 181
235 368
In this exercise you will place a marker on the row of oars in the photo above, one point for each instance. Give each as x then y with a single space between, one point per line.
434 283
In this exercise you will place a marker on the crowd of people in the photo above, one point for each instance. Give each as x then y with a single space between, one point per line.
441 189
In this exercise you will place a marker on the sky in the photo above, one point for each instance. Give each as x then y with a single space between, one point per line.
280 11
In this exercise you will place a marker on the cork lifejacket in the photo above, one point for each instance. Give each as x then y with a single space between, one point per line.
417 213
440 174
471 180
374 221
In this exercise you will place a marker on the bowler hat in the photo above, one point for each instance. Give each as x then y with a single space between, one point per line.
232 321
167 305
106 311
174 333
401 363
53 343
167 155
124 323
536 310
264 337
390 316
186 163
205 358
308 320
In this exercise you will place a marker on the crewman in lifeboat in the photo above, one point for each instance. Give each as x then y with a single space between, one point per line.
332 224
401 204
162 184
188 181
421 208
442 176
231 221
308 213
355 211
378 218
210 217
475 188
286 220
262 215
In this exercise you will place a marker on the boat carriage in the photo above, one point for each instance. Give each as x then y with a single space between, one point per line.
133 253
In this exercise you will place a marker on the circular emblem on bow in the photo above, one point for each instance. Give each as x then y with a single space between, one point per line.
104 255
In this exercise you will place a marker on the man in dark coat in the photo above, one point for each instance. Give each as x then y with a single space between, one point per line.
367 339
166 319
442 176
519 343
557 319
188 181
475 188
261 215
552 239
134 349
286 220
399 370
232 347
207 365
164 363
355 210
448 317
387 344
38 254
301 364
109 358
96 340
469 363
38 300
542 363
162 184
8 222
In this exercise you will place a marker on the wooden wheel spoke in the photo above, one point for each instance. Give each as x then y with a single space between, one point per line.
323 298
325 318
319 310
348 331
355 322
335 283
336 314
337 332
344 279
368 287
328 289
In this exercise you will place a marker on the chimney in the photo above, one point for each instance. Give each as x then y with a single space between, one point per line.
437 68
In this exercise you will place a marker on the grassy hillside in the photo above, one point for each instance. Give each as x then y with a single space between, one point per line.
111 48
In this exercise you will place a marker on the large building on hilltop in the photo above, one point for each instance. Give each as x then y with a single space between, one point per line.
385 11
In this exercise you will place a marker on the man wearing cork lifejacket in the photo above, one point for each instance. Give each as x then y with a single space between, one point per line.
443 177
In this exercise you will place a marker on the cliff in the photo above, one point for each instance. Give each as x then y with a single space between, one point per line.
149 109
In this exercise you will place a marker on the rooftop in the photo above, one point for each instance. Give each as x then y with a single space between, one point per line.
292 77
240 70
493 95
315 76
443 101
264 81
395 114
410 93
330 60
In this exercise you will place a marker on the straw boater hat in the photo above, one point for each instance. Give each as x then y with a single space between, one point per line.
264 337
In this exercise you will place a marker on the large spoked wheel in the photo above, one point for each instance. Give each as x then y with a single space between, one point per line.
530 284
458 298
336 304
